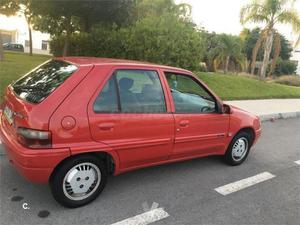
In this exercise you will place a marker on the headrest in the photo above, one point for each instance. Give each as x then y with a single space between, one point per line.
125 83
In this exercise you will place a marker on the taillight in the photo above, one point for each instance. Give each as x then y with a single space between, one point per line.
34 138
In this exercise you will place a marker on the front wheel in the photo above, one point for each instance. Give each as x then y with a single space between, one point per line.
78 181
238 149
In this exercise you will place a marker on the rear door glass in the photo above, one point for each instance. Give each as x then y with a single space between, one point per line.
42 81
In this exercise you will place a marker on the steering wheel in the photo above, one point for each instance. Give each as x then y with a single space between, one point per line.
205 109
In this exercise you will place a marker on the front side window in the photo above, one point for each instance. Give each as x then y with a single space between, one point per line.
188 95
41 82
139 91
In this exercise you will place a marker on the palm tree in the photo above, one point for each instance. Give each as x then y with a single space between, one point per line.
270 13
298 40
228 49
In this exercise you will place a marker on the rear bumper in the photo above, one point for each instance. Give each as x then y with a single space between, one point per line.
36 165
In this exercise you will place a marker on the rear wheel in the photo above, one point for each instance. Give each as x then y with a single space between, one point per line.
238 149
78 181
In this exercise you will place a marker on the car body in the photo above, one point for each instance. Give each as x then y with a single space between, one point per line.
86 107
13 47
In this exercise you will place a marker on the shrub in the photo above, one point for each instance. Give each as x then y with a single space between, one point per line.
164 40
289 80
285 67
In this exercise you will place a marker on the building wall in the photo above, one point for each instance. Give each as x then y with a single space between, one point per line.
296 57
14 29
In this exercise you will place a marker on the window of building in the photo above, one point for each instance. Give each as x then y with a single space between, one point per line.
44 45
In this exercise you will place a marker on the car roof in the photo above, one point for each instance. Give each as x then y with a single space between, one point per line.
11 43
81 61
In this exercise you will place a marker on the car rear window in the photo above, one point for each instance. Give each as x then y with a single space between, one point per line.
38 84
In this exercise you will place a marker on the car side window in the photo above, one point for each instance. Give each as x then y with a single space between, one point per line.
131 91
107 100
189 96
140 91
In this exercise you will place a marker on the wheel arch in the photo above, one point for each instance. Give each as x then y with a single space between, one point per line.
249 130
110 162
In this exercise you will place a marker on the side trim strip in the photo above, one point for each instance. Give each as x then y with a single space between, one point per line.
139 143
199 138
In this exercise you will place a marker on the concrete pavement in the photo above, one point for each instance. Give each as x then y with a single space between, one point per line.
267 109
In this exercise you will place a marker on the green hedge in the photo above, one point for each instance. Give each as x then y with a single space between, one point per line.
164 40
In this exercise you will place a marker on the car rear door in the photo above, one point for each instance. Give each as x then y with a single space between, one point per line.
199 129
129 112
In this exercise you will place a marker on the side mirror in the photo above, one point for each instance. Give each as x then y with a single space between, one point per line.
226 109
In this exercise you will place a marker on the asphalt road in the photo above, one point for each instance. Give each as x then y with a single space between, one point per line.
185 190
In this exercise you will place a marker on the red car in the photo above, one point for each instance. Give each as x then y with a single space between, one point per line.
73 121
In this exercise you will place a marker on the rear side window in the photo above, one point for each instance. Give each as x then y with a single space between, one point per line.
41 82
132 91
107 100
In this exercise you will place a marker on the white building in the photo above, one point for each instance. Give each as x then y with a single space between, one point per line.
14 29
296 57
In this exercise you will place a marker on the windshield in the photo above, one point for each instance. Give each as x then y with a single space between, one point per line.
35 86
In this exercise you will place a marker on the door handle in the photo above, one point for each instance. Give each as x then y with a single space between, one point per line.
106 126
184 123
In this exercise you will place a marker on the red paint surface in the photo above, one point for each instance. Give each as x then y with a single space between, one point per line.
132 140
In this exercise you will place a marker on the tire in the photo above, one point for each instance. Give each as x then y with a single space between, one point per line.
238 149
78 181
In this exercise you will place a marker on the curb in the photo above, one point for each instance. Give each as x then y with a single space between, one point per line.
277 116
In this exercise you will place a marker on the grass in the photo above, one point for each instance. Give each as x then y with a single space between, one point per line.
234 87
16 65
228 87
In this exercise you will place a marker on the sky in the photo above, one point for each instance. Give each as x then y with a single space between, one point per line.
222 16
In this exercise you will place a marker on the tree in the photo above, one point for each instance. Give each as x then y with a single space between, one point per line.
270 13
253 46
13 7
166 39
64 18
156 8
223 49
8 11
229 48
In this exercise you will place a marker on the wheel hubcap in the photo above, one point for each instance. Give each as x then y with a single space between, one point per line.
81 181
239 149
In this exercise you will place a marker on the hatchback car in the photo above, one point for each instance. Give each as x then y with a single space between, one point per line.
13 47
73 121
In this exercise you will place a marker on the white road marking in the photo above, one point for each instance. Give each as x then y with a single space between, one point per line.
244 183
145 218
297 162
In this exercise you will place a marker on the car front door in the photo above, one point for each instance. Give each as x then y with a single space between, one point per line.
199 128
130 114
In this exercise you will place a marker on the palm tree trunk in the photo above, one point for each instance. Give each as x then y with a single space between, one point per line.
277 49
267 52
1 48
255 51
226 64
